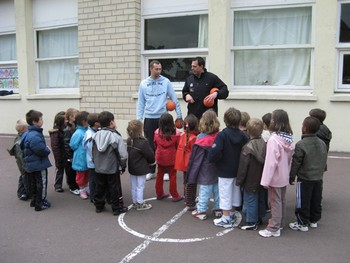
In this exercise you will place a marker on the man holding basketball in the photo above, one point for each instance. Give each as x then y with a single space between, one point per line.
152 98
198 88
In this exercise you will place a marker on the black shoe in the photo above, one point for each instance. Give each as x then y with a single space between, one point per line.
250 226
99 209
59 190
120 210
32 203
23 197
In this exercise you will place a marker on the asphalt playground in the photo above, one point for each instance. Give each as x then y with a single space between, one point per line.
71 231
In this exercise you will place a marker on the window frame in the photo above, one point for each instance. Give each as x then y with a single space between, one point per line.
10 63
268 88
147 55
37 61
341 49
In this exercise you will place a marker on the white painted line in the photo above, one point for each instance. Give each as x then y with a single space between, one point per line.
156 234
339 157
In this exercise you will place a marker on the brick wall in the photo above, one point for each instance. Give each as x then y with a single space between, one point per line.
109 55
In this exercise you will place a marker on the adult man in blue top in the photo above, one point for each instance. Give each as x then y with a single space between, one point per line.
152 98
197 87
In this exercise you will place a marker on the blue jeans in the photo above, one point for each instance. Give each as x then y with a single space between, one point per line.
251 206
205 192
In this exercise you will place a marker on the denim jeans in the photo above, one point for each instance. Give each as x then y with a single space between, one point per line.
205 192
251 206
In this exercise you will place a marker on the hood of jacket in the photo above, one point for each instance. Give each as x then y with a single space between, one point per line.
285 140
105 137
257 148
206 140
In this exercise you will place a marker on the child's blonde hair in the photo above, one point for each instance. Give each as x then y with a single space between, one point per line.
21 125
244 119
209 123
135 129
255 127
71 112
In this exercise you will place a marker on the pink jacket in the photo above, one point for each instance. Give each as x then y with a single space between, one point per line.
277 162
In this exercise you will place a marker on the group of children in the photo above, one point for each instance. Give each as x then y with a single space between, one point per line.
247 162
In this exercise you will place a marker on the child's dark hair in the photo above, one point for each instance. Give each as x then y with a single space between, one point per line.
232 118
81 117
92 119
318 114
280 122
60 120
267 119
209 123
134 129
311 125
167 126
191 125
105 118
33 115
254 127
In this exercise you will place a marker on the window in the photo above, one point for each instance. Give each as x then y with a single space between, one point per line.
272 48
344 49
8 62
174 41
57 59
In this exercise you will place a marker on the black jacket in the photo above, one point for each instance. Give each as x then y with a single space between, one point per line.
199 88
140 156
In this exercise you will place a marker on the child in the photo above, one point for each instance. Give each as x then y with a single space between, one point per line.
94 125
57 146
308 164
243 123
23 184
79 163
275 175
266 121
166 140
109 154
140 159
183 154
36 159
225 153
251 164
323 133
200 171
68 152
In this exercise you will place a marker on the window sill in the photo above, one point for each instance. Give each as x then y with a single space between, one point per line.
53 96
340 98
11 97
271 96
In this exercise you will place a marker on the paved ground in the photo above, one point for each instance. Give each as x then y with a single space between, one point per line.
71 231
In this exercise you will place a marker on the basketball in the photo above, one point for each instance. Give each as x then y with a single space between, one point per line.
208 103
178 124
213 90
170 106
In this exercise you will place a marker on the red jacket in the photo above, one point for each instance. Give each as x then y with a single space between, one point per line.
165 150
183 152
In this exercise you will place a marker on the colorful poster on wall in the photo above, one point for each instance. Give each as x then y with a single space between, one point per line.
9 78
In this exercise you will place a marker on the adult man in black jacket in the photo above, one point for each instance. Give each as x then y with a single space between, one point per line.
197 88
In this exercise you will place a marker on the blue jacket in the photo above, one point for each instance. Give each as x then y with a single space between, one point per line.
76 143
35 150
226 151
87 142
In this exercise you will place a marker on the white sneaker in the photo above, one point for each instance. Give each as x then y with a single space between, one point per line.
267 233
75 192
236 218
166 177
150 176
297 226
313 225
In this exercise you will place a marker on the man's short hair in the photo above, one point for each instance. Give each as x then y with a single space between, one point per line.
151 64
200 61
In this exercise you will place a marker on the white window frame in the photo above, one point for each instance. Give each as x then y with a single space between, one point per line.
10 63
37 60
147 55
342 49
288 88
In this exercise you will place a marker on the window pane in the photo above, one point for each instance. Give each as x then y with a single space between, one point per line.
59 74
272 67
272 27
8 47
58 42
175 69
346 69
176 32
344 35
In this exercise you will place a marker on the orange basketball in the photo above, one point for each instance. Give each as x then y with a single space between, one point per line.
178 124
170 106
213 90
208 103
